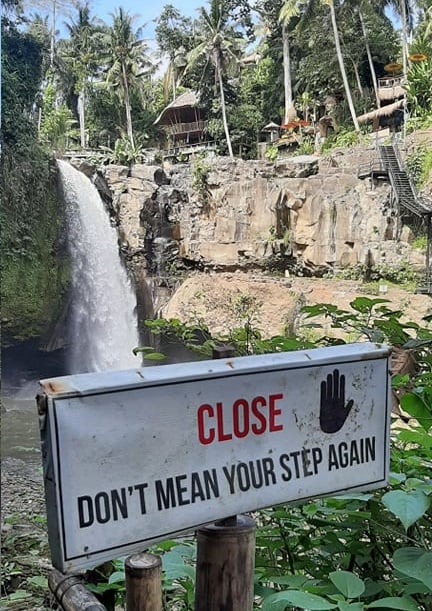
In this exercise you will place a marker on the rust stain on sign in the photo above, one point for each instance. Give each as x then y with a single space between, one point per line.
54 388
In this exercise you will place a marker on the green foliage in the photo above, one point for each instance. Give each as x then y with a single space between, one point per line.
31 228
354 552
402 274
127 153
272 153
200 173
57 121
24 570
342 139
419 88
307 146
21 59
419 165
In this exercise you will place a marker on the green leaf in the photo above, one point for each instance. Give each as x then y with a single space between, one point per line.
149 353
303 600
415 563
347 583
360 496
415 407
143 350
38 581
343 606
20 595
407 506
364 304
154 356
424 440
294 581
401 603
117 577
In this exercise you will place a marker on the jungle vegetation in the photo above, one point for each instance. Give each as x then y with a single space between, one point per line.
73 81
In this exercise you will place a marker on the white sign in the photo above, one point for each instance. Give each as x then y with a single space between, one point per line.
134 457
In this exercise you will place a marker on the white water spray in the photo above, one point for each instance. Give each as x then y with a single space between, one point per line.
103 323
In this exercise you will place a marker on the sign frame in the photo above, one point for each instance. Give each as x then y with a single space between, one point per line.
67 400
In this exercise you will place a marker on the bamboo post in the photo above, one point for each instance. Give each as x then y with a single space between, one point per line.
71 594
143 582
225 556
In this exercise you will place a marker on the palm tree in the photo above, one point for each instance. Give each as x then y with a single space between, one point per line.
360 9
330 4
219 45
173 31
80 53
126 61
290 9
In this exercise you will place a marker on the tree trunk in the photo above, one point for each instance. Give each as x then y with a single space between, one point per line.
53 33
287 73
369 56
127 107
81 116
342 66
358 79
223 107
404 37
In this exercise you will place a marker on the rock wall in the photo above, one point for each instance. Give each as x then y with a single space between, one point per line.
222 214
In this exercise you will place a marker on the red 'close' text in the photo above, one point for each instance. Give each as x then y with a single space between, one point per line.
243 418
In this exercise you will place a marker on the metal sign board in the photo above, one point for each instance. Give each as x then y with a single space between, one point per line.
134 457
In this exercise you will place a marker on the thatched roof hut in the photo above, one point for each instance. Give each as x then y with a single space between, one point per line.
179 110
183 120
384 111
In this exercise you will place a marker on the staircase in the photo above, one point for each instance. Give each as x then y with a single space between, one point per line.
403 188
408 201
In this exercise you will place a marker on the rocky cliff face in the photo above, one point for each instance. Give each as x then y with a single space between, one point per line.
311 213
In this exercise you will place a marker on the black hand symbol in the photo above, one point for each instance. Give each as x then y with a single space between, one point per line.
333 411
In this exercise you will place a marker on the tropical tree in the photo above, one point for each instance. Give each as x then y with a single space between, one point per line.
291 8
219 44
330 4
361 6
80 54
126 60
174 36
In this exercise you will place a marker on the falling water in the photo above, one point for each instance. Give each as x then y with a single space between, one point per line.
103 323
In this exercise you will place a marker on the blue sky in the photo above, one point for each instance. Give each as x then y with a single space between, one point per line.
145 10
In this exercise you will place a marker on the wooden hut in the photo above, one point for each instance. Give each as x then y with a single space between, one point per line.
183 122
391 95
390 115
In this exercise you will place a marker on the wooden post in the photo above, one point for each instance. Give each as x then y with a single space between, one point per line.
225 556
71 594
143 582
225 566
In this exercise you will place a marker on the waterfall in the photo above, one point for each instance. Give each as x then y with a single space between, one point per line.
102 322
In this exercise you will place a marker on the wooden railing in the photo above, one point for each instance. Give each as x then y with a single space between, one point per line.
391 81
184 128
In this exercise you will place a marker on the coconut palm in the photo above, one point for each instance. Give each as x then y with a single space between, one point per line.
126 61
290 9
219 45
80 56
361 6
330 4
173 32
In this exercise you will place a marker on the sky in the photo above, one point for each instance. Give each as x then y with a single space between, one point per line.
146 11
